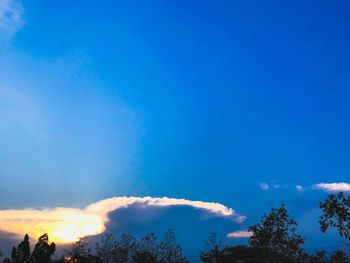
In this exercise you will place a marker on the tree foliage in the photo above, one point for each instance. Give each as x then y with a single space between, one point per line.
22 253
214 253
125 249
42 251
79 249
128 250
277 233
170 251
105 248
336 213
147 250
318 257
339 256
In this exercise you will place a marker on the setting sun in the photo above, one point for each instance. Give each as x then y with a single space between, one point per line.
72 227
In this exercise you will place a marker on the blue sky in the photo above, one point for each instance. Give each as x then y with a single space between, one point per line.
203 100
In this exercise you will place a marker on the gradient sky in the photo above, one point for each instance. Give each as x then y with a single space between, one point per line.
235 102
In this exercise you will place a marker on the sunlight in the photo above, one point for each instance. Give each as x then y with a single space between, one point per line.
62 225
71 229
67 225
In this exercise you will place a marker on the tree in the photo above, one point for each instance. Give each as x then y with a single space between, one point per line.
170 251
277 233
339 256
214 253
79 251
14 255
318 257
249 254
43 250
125 249
22 253
104 249
336 213
147 250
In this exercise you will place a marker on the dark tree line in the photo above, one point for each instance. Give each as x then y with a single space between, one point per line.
108 250
274 240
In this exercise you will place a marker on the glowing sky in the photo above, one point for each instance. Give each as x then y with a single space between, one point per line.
66 225
239 104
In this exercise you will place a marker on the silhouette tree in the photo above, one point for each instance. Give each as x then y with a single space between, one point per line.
125 249
277 233
170 251
79 251
318 257
147 250
43 250
339 256
249 254
14 255
22 253
214 253
105 249
336 213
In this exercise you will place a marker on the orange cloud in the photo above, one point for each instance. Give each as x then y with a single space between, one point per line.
63 224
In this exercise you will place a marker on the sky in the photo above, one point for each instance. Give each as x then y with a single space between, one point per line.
224 108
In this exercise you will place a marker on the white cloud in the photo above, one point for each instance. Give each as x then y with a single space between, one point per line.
66 225
299 188
11 17
239 234
333 187
114 203
264 186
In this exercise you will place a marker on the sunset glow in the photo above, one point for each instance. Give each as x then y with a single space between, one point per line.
74 226
62 224
67 225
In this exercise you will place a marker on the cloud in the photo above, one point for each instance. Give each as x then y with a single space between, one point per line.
11 17
299 188
65 225
239 234
114 203
333 187
264 186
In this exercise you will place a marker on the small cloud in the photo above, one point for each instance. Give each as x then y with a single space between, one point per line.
11 17
276 186
299 188
264 186
333 187
240 234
